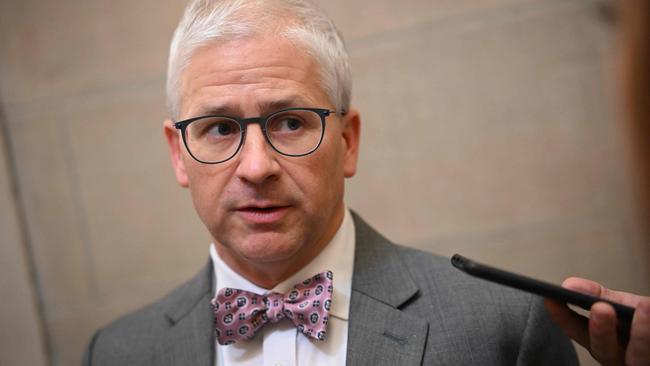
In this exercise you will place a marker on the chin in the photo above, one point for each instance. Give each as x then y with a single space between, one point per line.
269 255
265 249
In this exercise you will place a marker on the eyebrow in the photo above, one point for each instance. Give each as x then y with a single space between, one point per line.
219 110
265 107
271 106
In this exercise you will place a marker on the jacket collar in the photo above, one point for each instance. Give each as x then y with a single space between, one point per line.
190 338
378 269
379 332
186 298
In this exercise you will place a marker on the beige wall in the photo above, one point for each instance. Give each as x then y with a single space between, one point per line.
21 332
512 153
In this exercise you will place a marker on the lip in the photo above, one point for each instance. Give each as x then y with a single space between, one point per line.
262 214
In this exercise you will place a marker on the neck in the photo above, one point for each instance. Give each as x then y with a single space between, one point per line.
269 274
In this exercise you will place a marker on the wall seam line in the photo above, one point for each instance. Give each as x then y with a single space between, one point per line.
25 238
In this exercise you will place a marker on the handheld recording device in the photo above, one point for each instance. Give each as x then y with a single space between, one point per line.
624 313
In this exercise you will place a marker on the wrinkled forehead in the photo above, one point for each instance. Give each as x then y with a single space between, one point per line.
269 70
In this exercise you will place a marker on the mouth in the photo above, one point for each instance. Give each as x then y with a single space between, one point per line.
262 214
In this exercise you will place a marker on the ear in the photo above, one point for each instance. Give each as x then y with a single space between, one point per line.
351 132
176 147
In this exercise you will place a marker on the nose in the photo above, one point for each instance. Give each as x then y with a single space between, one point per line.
257 160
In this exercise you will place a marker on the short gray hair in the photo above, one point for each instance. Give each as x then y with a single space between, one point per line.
299 21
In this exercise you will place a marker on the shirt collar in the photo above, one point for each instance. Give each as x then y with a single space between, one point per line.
337 256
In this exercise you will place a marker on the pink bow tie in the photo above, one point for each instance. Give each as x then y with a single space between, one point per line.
239 314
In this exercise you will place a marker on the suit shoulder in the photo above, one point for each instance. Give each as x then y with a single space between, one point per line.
480 312
133 338
123 340
437 273
141 320
128 339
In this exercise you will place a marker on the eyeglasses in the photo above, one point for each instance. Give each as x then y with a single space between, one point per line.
214 139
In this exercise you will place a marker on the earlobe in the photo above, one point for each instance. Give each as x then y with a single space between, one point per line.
351 133
174 143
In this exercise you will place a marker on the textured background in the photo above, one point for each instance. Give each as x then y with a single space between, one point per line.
513 154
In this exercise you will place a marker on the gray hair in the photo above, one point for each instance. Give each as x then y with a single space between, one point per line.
299 21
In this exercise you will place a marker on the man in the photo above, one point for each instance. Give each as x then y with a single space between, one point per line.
270 190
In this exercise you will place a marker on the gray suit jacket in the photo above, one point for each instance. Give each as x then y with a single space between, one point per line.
407 308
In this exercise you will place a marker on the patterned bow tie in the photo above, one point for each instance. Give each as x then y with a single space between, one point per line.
239 314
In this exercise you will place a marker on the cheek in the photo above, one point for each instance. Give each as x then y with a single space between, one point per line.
207 185
326 179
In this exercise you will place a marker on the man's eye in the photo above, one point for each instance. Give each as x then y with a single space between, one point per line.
221 129
288 124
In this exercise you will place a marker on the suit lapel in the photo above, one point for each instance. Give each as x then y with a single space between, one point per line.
190 338
379 332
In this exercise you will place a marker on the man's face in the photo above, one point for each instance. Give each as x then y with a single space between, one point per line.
262 207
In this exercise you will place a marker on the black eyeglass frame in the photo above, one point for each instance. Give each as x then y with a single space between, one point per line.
261 121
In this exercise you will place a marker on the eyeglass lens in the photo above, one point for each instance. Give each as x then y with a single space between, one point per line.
292 132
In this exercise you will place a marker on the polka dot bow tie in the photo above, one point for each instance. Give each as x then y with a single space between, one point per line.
239 314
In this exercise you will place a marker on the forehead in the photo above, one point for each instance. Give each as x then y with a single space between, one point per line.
239 73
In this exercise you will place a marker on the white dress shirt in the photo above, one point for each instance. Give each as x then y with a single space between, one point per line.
280 344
